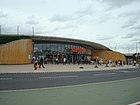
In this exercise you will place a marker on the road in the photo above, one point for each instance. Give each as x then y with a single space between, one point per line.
18 81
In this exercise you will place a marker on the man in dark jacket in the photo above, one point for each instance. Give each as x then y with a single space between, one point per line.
41 62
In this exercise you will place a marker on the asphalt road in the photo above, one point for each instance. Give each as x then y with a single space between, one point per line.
13 81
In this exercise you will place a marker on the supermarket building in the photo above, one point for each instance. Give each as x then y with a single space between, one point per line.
20 49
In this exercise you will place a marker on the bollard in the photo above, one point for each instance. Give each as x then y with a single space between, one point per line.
81 67
95 66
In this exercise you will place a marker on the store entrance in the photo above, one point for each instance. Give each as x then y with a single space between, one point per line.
71 58
76 58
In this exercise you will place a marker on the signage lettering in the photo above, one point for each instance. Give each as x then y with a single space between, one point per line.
79 50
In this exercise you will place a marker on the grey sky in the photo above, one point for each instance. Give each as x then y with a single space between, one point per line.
114 23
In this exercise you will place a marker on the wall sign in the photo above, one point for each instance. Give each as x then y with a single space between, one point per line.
79 50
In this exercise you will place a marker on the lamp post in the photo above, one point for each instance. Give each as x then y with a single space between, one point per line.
17 30
137 53
33 31
0 29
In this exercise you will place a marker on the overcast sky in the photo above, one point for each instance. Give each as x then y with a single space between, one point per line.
113 23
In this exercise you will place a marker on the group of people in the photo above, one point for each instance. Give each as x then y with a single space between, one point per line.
38 63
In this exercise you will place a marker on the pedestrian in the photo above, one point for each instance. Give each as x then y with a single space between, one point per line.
119 63
41 62
116 62
106 64
56 60
134 63
35 65
64 60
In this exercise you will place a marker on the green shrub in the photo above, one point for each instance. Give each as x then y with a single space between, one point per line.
8 38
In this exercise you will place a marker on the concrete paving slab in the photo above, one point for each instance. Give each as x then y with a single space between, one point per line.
56 68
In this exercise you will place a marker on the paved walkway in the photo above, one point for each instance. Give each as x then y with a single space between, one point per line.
56 68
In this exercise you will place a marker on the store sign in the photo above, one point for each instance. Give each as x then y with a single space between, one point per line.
79 50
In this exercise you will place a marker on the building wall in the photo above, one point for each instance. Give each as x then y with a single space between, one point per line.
20 52
16 52
108 55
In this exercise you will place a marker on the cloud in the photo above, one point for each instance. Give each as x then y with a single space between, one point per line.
130 14
129 36
32 20
104 37
118 3
132 35
136 27
135 40
137 33
65 27
129 24
132 17
105 17
6 29
87 11
3 14
60 18
75 16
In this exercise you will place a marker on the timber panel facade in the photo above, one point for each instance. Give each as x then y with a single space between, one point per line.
16 52
108 55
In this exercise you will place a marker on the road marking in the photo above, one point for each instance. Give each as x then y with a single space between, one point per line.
59 77
50 88
5 78
128 71
103 74
136 103
125 71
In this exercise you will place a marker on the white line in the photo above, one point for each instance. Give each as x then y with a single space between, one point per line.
103 74
5 78
136 103
125 71
59 77
88 84
128 71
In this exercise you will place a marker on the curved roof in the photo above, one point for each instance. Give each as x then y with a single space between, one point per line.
92 45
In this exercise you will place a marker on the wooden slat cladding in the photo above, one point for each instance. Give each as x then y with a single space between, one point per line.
108 55
16 52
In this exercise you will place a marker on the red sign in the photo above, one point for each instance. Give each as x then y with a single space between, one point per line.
79 50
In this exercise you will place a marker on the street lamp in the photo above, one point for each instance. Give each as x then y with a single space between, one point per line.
33 31
136 53
17 30
0 29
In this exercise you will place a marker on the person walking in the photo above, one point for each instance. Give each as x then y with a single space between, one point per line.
35 64
64 60
41 62
134 62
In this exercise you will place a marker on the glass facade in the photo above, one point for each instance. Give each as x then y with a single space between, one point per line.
51 51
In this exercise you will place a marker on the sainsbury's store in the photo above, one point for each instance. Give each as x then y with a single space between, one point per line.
21 49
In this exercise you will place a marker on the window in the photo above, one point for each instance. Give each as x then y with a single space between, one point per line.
40 47
44 47
59 47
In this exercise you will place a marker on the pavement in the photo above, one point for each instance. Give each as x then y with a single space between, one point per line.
28 68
